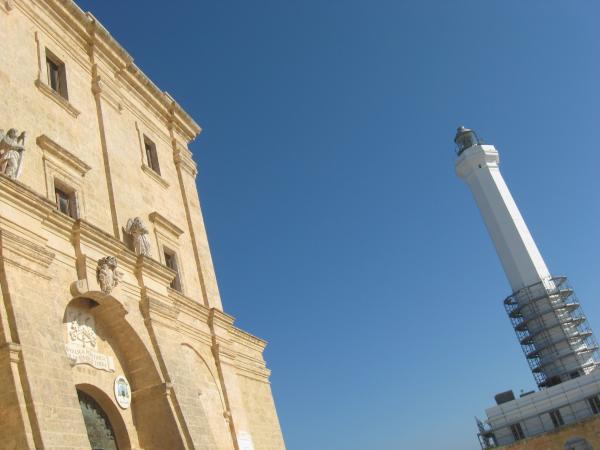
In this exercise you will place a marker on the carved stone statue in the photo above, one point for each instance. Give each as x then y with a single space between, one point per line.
107 274
11 153
139 235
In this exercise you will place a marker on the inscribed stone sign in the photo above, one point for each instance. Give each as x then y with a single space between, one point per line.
82 343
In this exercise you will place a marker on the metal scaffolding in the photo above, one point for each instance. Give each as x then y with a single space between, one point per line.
553 331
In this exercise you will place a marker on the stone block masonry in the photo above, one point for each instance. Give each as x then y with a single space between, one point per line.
112 330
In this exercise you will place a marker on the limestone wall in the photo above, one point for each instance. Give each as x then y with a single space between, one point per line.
186 363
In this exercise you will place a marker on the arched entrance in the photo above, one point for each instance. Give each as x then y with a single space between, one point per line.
99 429
116 338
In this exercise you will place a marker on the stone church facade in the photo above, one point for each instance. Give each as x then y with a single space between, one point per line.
112 331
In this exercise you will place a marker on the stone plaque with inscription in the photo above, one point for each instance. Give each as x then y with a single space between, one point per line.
245 441
82 342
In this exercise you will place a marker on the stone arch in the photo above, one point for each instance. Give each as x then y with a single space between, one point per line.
150 404
201 400
109 408
577 443
209 370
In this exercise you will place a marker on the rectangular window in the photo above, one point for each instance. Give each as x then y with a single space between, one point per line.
151 155
594 403
171 263
66 201
557 419
517 431
57 76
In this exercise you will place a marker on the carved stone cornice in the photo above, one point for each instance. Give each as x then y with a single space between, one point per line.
23 253
180 120
60 224
252 369
244 338
85 27
194 333
256 374
219 319
183 159
19 195
249 350
150 268
163 223
224 353
156 306
106 89
92 236
189 306
51 148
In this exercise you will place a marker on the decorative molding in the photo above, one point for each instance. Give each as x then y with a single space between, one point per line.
183 159
155 306
163 223
195 333
221 319
101 89
85 234
156 177
56 150
189 306
148 267
256 375
60 101
22 197
26 250
85 27
247 339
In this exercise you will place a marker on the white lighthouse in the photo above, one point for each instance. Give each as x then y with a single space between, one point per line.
543 309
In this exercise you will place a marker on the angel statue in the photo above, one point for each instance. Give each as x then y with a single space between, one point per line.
139 234
12 150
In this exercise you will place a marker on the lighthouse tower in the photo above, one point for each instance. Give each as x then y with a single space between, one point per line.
543 309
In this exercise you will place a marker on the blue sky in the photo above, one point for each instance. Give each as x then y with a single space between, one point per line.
339 230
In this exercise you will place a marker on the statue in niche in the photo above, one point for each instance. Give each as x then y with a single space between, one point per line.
107 274
12 150
139 235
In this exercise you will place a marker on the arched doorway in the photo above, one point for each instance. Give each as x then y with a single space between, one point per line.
121 341
99 429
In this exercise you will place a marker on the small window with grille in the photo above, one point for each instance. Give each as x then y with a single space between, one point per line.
517 431
556 418
594 403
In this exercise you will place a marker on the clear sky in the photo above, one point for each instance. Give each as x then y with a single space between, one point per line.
339 230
